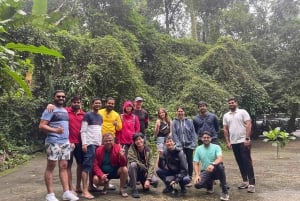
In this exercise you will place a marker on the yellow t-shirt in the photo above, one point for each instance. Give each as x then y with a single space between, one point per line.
108 120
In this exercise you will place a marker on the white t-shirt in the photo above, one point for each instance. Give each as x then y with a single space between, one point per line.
236 125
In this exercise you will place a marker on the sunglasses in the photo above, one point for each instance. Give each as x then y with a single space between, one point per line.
60 96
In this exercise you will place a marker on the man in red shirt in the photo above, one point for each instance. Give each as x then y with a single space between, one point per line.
75 114
110 163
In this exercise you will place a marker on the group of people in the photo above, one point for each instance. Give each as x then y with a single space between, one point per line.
108 145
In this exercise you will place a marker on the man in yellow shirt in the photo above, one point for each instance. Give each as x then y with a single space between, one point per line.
111 119
111 122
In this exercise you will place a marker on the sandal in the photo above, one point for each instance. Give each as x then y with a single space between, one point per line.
88 197
123 193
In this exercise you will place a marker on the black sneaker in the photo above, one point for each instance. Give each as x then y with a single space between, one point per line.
183 189
168 189
174 192
135 194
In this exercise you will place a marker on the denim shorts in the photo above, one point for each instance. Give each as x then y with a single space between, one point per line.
160 143
58 151
88 158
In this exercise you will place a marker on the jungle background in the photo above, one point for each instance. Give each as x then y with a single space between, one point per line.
170 52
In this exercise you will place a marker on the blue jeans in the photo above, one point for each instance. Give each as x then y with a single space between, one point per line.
88 158
167 177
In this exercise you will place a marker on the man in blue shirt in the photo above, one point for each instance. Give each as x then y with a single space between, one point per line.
56 125
206 121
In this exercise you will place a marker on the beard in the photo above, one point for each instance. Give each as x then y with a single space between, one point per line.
109 108
59 102
75 107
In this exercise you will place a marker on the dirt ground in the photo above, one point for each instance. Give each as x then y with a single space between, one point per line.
277 179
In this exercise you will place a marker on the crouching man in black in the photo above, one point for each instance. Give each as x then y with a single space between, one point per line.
208 158
172 167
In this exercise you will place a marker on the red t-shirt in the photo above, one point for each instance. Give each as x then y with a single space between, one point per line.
75 120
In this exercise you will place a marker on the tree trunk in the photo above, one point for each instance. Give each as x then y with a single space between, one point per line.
291 123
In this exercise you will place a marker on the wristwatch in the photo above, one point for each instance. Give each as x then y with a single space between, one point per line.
214 164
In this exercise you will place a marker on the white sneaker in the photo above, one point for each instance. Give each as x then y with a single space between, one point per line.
68 195
51 197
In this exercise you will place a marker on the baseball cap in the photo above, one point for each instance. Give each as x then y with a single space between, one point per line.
138 99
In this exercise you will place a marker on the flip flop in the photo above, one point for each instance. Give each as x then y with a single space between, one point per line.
89 197
123 193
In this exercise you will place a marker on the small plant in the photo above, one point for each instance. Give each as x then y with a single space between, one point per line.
278 138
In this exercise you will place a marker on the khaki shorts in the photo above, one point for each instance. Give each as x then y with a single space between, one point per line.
58 151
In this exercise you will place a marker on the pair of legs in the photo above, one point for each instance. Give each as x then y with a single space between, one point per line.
189 158
160 146
138 174
60 153
63 175
207 178
167 177
243 158
78 154
87 168
117 173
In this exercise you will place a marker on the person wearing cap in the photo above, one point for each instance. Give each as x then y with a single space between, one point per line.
172 167
141 165
130 126
142 114
208 166
206 121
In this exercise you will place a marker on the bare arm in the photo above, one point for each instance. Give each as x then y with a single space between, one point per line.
156 128
46 128
226 135
196 172
248 126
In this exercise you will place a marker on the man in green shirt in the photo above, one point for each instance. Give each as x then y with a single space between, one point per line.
208 166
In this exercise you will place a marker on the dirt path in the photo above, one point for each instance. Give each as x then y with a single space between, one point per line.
277 179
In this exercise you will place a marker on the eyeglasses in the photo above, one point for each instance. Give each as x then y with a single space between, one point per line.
60 96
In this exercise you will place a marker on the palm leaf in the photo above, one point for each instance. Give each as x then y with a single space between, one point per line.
18 79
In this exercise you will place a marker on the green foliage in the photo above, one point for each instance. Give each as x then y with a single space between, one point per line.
33 49
278 138
231 65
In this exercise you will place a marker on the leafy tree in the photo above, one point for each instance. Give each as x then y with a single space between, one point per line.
278 138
